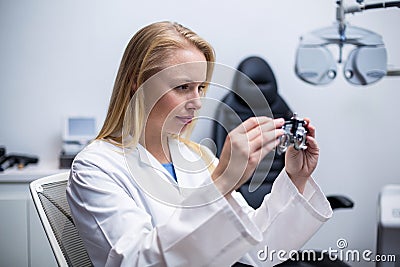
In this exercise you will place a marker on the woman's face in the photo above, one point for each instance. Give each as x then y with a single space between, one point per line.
173 95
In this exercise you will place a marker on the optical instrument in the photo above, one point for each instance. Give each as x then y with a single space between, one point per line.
365 64
295 134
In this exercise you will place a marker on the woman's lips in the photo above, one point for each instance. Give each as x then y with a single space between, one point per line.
185 119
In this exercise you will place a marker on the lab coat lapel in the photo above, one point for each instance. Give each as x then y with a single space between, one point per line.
191 171
151 176
148 159
190 168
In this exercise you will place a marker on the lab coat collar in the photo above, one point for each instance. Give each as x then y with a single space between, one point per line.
145 157
194 187
153 179
187 163
191 170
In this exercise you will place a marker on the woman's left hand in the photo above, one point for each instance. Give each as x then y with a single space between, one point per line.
300 164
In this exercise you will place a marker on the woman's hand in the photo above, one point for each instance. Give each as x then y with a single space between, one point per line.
300 164
244 148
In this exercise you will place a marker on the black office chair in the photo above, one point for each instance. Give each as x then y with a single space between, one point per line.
242 103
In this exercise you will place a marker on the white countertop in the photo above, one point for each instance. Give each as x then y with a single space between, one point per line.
28 174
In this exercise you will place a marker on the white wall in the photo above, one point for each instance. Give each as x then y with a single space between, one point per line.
59 58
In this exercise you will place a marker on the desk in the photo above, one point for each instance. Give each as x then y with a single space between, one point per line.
23 241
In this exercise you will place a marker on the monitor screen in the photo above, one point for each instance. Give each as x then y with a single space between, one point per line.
80 128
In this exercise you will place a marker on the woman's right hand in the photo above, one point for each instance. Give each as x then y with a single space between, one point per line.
244 148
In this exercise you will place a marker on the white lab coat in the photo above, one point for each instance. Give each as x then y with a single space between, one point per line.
124 221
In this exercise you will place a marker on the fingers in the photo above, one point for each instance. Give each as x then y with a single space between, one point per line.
263 127
263 135
255 122
310 128
256 156
265 140
268 148
255 136
312 149
312 145
251 123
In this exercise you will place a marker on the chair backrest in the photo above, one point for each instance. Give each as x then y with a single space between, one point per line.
49 197
242 103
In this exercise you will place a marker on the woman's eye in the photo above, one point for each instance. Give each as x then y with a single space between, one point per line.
188 87
182 87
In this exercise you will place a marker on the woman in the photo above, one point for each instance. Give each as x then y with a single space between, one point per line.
143 195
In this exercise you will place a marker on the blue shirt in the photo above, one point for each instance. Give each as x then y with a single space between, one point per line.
170 168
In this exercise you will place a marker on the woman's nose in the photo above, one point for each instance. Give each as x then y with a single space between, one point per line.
194 101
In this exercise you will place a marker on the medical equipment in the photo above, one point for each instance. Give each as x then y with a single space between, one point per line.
295 134
388 246
10 160
78 132
366 63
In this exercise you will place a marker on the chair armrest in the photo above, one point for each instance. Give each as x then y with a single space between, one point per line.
338 202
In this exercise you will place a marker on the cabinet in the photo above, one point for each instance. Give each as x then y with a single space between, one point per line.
23 241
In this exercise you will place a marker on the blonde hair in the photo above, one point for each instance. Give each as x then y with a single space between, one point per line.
145 55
